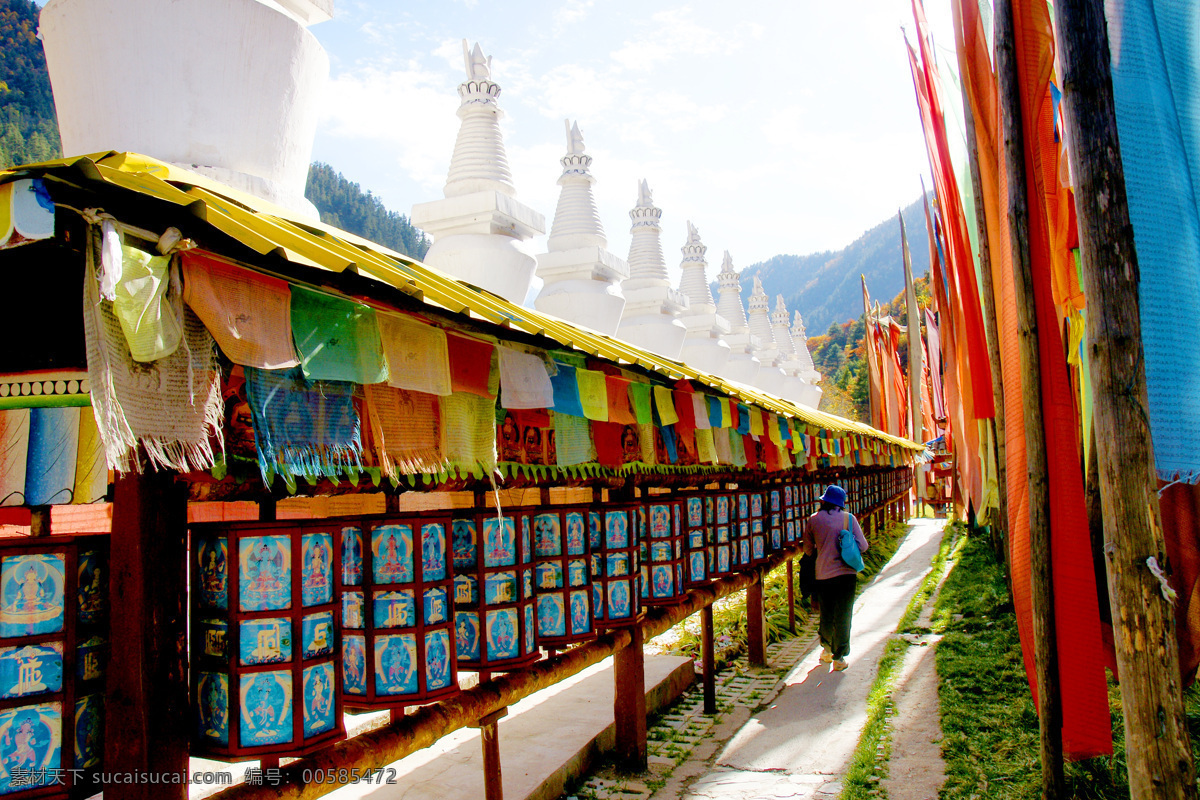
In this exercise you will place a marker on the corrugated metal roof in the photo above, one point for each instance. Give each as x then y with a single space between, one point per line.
269 229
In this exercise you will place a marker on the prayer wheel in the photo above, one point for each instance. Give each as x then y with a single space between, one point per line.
723 555
563 576
662 552
397 623
494 597
53 643
615 530
265 636
698 525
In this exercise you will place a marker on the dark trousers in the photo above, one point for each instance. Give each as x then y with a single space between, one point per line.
836 596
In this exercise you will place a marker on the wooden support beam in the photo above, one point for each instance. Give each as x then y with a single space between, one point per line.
756 642
709 654
1159 753
1045 653
147 704
489 730
629 704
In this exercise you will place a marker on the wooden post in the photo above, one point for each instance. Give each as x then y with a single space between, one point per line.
791 579
489 730
708 646
1159 753
756 644
987 291
39 521
629 704
147 704
1045 654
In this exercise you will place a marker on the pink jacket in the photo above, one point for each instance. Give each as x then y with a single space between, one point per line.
822 530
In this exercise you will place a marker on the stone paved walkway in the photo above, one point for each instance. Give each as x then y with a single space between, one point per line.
786 731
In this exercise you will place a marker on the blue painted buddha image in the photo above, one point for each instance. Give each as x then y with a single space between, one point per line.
618 600
526 547
595 530
756 505
265 573
319 708
551 621
212 707
30 739
466 635
575 545
616 524
354 664
502 633
530 632
695 511
500 537
547 540
463 544
395 664
392 554
723 509
775 500
660 521
723 559
433 551
352 556
709 512
32 594
581 617
266 708
211 554
696 562
89 730
315 552
437 660
598 607
92 582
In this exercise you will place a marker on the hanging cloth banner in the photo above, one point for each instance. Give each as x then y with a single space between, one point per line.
469 422
405 429
647 439
734 414
593 394
471 365
524 382
667 437
418 355
573 440
715 417
773 433
700 412
14 455
756 422
639 393
91 471
706 448
176 417
664 403
523 436
721 444
149 319
250 315
770 456
607 437
685 410
619 409
737 448
53 449
302 427
566 391
743 420
338 339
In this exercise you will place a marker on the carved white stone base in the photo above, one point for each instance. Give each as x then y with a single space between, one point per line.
657 333
709 355
770 379
495 263
479 212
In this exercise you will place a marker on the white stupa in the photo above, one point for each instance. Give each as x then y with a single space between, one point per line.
770 377
703 348
582 277
743 364
229 89
652 308
808 370
793 383
477 228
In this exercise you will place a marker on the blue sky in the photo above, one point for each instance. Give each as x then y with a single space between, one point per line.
774 126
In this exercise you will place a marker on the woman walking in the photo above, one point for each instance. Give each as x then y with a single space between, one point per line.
836 581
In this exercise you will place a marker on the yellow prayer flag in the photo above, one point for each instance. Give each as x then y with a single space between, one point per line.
706 448
593 395
665 404
773 430
756 422
726 414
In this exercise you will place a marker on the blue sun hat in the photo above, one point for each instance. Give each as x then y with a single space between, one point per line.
834 495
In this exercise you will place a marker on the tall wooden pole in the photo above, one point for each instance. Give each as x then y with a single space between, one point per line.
756 639
1159 753
629 704
873 404
987 291
1045 654
915 361
147 707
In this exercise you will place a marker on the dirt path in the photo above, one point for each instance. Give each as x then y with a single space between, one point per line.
916 770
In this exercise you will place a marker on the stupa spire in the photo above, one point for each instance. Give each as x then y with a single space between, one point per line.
475 229
581 276
652 307
479 160
779 326
760 317
730 304
693 281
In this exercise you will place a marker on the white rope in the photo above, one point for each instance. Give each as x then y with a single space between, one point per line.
1167 592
